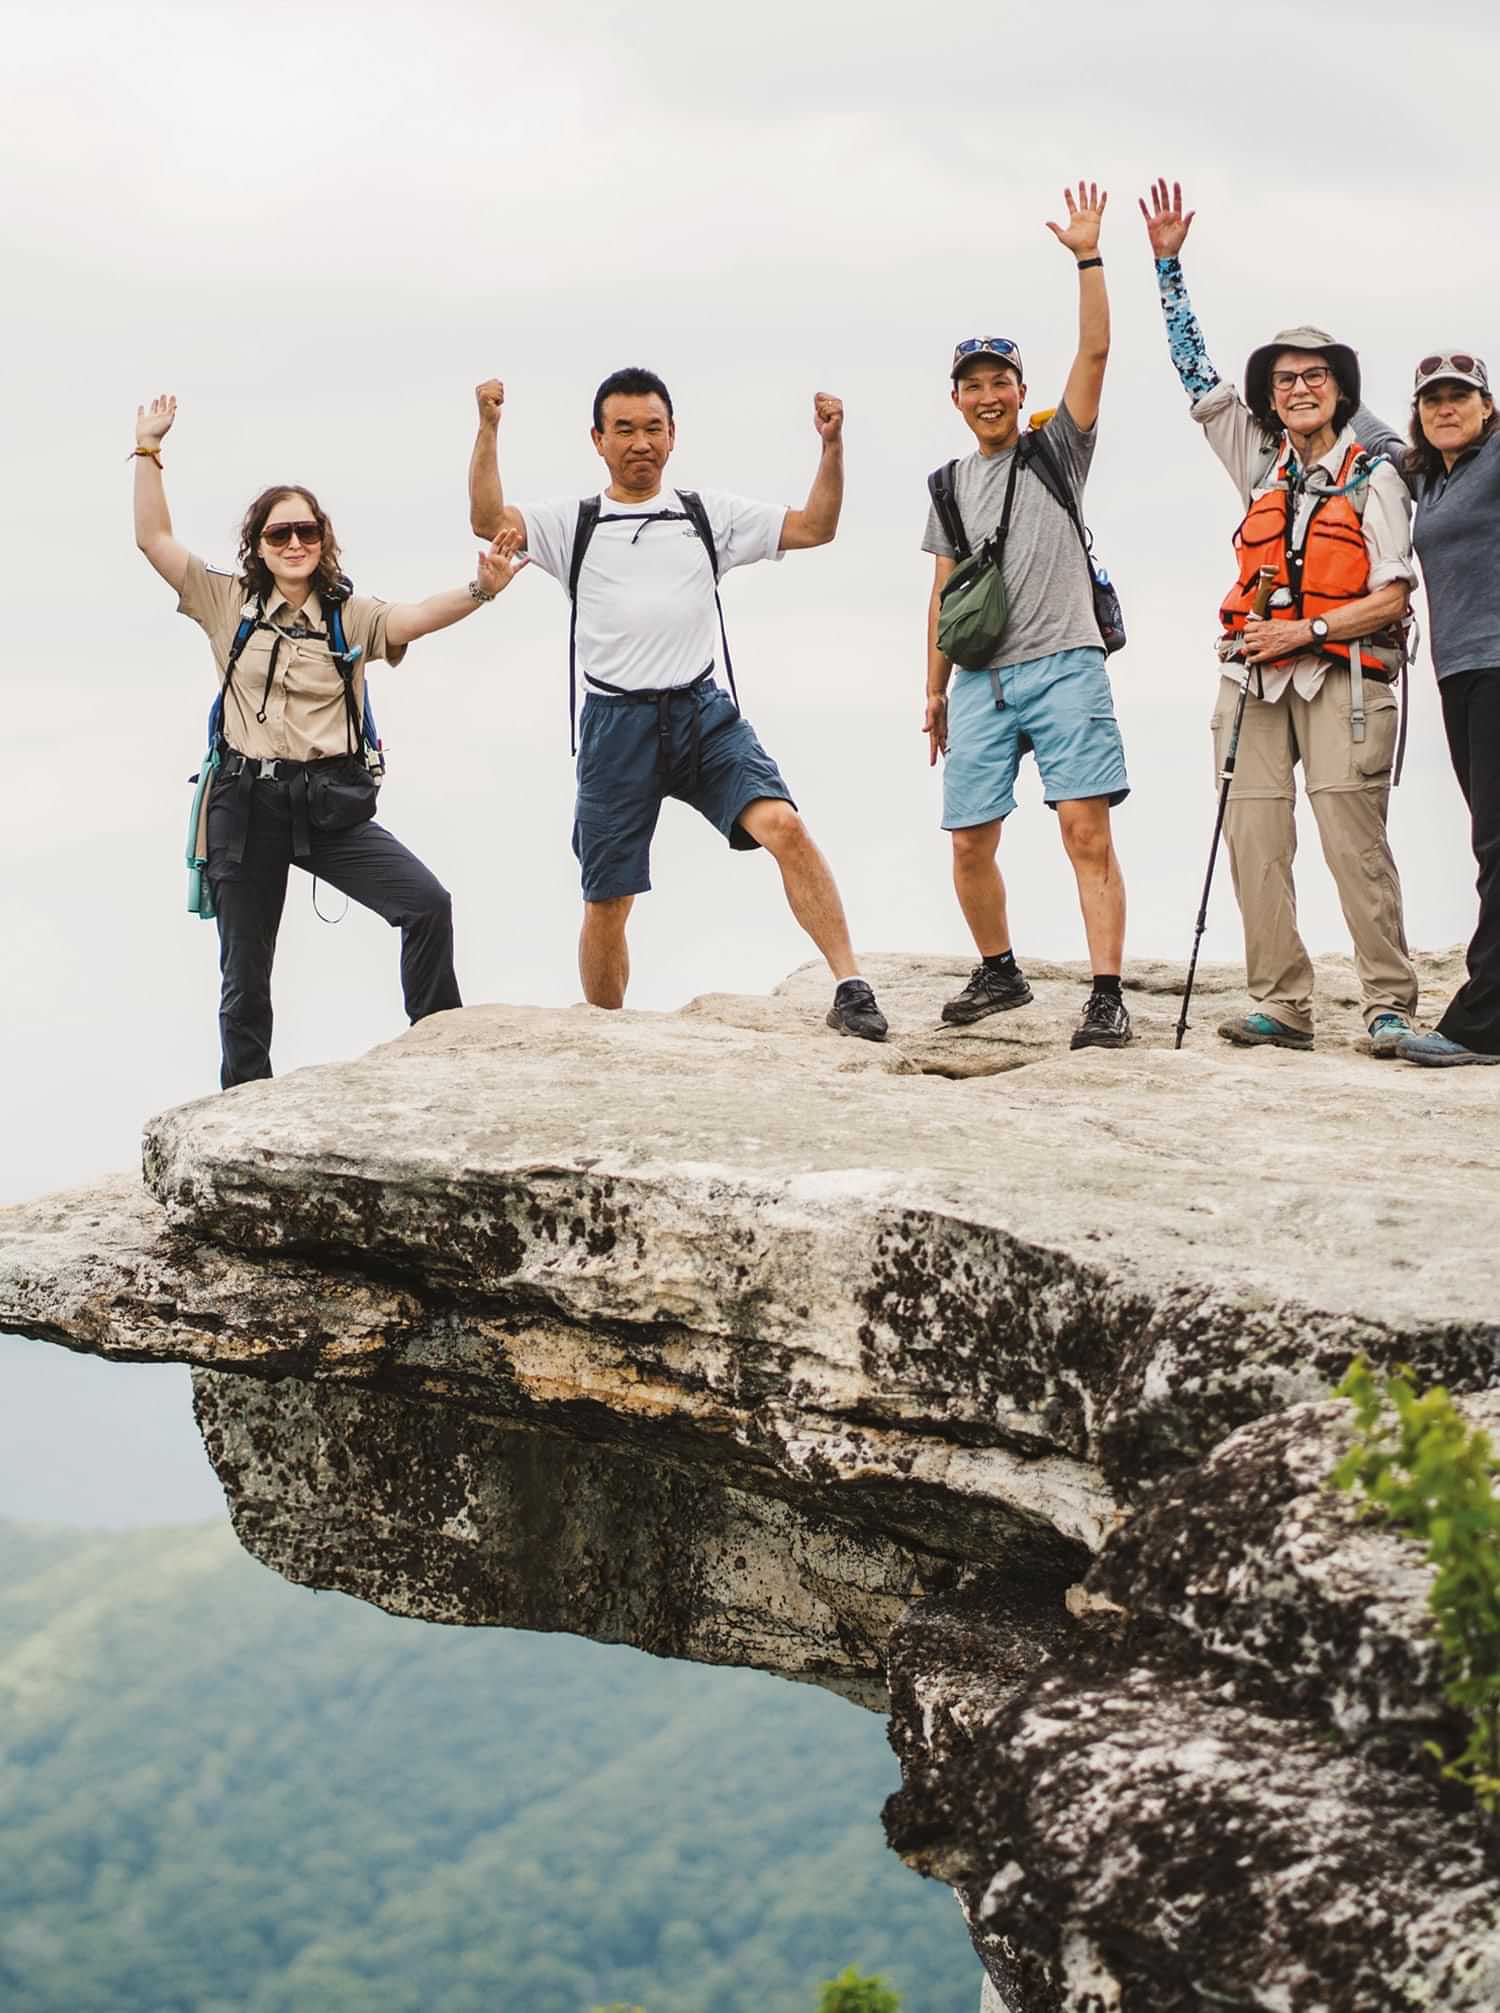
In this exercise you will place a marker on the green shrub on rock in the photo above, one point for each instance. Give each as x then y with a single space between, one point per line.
850 1993
1417 1463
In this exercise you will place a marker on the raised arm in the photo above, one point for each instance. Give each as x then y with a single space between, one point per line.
1081 237
153 521
1167 227
818 519
488 512
407 620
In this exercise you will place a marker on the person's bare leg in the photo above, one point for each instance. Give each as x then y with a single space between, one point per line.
980 890
1084 822
811 891
603 954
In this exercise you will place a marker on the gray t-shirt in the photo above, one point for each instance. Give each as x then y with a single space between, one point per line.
1046 579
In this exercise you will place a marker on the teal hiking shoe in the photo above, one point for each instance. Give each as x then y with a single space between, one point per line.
1387 1032
1435 1051
1256 1030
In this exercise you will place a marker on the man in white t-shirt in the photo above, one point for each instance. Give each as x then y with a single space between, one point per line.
655 723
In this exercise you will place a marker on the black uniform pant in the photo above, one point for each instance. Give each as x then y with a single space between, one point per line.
1471 714
366 863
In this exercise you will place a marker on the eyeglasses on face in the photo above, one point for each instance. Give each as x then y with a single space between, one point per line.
1001 345
305 531
1314 378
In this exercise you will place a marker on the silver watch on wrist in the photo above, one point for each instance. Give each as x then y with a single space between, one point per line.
1319 629
478 593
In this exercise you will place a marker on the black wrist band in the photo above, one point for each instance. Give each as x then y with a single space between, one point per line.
1084 264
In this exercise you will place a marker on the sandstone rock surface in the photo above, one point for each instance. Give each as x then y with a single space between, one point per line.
964 1373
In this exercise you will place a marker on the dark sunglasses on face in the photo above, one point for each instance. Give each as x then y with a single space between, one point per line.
279 535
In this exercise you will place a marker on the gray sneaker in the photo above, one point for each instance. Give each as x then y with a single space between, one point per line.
987 992
1435 1051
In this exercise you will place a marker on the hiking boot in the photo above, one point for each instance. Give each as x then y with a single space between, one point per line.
1256 1029
987 992
1435 1051
854 1011
1105 1023
1387 1032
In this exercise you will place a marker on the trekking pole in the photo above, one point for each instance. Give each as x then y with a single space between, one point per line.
1263 592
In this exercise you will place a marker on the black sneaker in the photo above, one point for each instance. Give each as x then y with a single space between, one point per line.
987 992
854 1011
1105 1023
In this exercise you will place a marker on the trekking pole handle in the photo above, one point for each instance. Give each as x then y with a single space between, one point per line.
1265 587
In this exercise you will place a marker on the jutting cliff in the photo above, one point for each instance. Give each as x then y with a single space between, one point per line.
985 1384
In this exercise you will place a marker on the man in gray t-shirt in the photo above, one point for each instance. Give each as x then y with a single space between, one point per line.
1044 690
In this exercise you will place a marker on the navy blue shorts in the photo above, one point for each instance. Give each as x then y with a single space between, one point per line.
633 753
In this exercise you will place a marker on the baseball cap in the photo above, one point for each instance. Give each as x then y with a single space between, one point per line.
1457 365
1000 347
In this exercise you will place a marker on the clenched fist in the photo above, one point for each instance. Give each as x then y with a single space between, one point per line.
828 416
489 397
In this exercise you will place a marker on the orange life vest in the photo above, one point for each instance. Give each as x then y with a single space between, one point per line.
1333 566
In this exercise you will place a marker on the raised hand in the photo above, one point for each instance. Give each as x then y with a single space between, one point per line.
154 422
1081 232
828 417
489 397
499 566
1166 226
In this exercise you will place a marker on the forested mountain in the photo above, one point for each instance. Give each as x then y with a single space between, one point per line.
223 1794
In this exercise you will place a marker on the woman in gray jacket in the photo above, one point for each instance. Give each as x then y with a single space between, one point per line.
1453 467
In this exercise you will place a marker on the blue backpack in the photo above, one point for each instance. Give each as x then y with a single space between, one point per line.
200 895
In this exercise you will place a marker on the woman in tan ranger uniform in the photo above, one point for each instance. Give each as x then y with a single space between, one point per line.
293 786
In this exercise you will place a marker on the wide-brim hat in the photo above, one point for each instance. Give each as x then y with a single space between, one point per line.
1343 360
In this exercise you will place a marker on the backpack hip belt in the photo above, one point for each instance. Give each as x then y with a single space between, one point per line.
662 697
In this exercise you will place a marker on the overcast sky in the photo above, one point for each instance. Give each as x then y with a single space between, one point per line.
320 226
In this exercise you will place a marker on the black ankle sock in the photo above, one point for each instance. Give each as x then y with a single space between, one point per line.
1107 982
1001 961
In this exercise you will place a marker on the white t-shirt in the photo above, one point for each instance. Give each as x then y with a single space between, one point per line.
646 617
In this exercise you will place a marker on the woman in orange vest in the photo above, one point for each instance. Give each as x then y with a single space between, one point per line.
1333 524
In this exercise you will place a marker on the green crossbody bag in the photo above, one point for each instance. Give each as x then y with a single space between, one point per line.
973 606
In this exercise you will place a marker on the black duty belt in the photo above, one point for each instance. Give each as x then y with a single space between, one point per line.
662 700
240 773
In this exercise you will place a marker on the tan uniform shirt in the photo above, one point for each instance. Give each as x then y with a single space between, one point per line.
1238 439
305 716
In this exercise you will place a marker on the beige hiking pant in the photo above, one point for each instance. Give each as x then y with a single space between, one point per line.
1348 786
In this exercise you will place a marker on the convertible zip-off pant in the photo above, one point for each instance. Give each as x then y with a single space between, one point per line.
1471 715
366 863
1348 785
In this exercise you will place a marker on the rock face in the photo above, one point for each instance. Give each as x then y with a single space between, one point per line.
963 1376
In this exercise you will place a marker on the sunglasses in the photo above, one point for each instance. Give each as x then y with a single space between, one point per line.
1314 379
277 536
1001 345
1457 361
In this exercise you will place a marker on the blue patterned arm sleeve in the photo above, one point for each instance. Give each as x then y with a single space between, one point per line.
1184 337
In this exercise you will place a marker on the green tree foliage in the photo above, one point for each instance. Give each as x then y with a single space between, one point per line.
850 1993
1416 1462
223 1794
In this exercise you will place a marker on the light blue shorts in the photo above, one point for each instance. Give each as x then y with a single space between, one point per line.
1058 708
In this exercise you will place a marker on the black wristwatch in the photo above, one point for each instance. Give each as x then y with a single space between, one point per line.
1319 629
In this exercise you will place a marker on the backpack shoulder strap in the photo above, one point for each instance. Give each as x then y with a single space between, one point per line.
583 532
697 516
697 512
944 494
246 629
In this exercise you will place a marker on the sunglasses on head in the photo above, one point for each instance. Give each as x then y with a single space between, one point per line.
1002 346
1468 366
306 532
